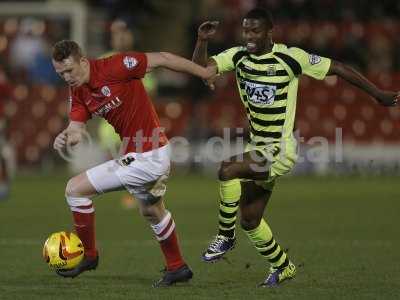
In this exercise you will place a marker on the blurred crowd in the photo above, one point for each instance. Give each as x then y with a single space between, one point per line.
364 35
33 99
361 33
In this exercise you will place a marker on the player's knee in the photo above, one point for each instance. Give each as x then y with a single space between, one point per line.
153 213
149 213
226 172
72 188
248 224
249 221
146 212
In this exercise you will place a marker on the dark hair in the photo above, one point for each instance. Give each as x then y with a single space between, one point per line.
261 14
66 48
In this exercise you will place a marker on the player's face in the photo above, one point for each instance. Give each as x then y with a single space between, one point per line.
256 36
73 71
122 40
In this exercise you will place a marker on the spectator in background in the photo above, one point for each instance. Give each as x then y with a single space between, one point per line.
4 161
5 148
381 54
26 46
122 37
30 53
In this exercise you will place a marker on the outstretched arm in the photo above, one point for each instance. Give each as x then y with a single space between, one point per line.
386 98
176 63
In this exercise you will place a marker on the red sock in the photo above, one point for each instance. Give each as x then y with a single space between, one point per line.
84 227
166 235
172 252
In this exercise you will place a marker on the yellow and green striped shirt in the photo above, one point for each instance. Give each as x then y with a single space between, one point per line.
268 86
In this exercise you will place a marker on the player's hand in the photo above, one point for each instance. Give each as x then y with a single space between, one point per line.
210 82
388 98
211 76
60 141
74 137
207 30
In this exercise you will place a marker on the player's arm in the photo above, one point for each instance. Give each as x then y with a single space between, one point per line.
200 53
205 32
386 98
70 136
78 116
319 67
176 63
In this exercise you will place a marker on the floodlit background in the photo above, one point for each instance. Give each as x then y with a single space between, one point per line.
337 212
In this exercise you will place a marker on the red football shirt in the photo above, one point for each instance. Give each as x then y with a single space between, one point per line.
116 93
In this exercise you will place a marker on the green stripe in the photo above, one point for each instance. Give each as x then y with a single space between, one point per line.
279 81
270 251
272 129
227 225
280 97
265 123
227 215
279 85
255 72
291 62
267 244
265 117
265 134
260 141
264 143
264 110
277 67
284 264
233 204
239 55
276 258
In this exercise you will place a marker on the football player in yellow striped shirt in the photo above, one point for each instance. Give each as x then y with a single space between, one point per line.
267 76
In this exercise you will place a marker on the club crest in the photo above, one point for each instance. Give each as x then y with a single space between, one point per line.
105 90
314 59
130 62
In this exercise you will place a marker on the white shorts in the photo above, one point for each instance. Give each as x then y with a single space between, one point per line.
144 175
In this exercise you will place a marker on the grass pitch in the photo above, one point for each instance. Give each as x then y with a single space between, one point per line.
342 233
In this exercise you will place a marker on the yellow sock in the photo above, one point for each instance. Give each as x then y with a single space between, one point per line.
230 194
262 239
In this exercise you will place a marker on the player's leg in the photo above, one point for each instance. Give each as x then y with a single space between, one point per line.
163 225
79 191
164 228
252 205
145 177
249 165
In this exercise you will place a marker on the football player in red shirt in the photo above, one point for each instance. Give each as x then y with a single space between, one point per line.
111 88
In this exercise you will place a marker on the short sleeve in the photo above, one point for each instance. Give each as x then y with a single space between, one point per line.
312 65
227 59
126 66
78 110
